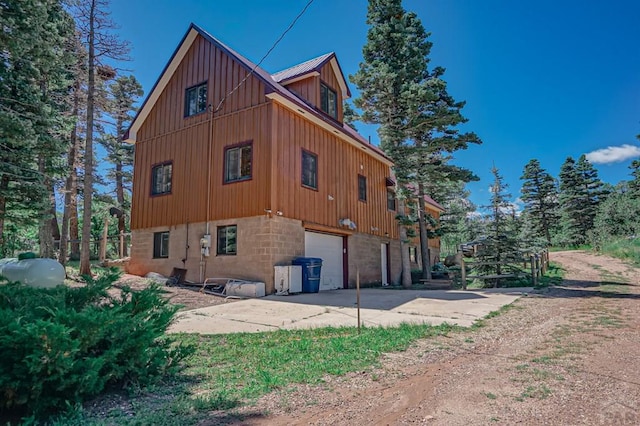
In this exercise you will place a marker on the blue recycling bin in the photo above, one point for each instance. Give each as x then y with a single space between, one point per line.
311 268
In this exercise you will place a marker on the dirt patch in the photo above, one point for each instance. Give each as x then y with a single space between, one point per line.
566 356
187 298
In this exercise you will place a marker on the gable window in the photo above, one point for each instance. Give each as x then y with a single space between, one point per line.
227 240
328 100
161 245
195 100
237 163
161 178
362 188
309 170
391 200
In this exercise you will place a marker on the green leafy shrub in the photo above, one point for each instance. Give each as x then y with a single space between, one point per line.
63 345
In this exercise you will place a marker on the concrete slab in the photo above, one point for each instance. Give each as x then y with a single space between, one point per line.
337 308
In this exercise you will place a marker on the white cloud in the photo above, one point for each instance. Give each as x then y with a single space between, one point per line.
614 154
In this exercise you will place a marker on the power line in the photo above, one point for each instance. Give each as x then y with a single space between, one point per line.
265 55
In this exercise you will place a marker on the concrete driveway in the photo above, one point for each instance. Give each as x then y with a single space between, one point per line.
337 308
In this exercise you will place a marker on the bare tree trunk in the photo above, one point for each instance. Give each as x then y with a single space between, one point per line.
45 233
4 185
424 236
120 199
71 187
85 251
404 249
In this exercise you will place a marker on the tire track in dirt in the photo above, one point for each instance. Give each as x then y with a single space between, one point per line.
566 356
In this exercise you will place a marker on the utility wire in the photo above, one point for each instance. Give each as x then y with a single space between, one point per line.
265 55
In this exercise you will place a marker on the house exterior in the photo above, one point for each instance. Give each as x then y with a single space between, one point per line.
237 170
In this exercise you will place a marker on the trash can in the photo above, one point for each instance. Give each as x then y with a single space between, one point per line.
311 268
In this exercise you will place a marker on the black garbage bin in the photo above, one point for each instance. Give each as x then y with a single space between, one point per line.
311 268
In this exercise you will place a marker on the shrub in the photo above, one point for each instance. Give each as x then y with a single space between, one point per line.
63 345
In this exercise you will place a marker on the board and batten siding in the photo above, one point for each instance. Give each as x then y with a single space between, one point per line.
204 61
339 165
187 150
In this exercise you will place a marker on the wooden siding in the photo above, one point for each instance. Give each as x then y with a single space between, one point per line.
203 62
329 78
339 165
308 89
188 151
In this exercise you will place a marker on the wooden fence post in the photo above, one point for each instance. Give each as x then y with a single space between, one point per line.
463 272
534 277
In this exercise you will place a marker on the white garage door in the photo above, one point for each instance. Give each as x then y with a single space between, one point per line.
329 249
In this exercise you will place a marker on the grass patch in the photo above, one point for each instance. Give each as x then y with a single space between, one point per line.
627 249
553 276
490 395
228 371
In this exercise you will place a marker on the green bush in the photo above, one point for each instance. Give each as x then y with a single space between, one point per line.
63 345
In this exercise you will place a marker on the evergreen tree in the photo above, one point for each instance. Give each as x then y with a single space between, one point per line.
395 58
96 28
540 196
125 91
570 199
417 116
501 243
33 88
634 184
581 191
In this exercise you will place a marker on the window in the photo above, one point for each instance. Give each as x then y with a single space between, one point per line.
195 100
161 178
160 245
391 200
309 170
362 188
227 236
237 163
328 101
413 252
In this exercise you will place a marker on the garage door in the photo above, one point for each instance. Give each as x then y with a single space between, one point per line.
329 249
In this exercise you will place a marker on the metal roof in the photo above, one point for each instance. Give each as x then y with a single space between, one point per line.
306 67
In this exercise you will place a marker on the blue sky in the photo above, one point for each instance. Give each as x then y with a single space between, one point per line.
543 79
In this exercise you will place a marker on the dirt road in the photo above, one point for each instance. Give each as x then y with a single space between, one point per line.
568 356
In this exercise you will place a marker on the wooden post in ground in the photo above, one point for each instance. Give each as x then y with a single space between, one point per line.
463 271
121 252
534 277
358 295
103 242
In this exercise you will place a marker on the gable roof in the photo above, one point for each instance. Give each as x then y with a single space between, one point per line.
312 67
274 91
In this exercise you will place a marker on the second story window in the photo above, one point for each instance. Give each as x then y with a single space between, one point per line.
362 188
161 178
328 100
309 170
391 200
195 100
237 163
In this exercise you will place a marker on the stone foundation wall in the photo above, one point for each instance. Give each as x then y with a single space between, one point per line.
262 242
365 255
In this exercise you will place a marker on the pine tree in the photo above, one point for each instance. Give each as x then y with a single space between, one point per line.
634 184
395 58
540 196
125 91
501 243
581 191
96 27
33 87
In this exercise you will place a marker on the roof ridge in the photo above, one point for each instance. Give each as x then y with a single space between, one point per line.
317 58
